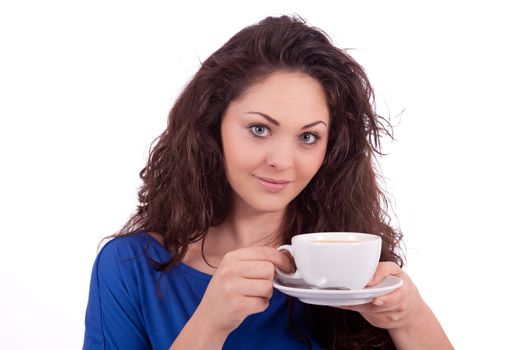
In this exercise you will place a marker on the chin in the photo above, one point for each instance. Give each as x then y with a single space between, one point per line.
269 207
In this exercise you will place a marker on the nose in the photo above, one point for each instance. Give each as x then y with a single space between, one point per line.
280 156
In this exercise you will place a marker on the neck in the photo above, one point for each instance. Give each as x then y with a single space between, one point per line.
245 227
245 231
242 228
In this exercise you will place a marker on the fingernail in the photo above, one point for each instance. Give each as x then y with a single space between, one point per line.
378 302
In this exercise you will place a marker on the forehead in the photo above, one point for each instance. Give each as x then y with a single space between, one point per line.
285 96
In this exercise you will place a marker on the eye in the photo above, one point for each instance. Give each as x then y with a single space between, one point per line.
258 130
309 138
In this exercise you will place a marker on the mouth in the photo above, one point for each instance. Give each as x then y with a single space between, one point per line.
272 185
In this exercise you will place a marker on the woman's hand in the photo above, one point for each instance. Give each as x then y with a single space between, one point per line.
394 310
241 286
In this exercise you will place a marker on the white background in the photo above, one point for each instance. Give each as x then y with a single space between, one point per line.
86 86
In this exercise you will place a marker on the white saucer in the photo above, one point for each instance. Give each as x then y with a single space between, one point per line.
337 297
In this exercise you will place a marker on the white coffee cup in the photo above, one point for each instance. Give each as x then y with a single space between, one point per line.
334 259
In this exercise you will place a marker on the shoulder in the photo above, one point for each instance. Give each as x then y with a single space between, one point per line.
126 254
125 245
113 315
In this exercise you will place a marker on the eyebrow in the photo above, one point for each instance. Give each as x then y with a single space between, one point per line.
275 122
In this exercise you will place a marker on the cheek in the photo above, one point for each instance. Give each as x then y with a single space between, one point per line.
241 155
310 165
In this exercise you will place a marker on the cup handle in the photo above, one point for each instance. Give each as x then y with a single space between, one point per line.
294 276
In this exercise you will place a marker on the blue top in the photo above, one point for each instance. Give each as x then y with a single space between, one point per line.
126 310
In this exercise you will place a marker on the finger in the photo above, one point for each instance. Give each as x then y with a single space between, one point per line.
385 309
270 254
291 267
371 309
362 308
256 304
258 269
384 269
388 300
256 288
388 316
381 303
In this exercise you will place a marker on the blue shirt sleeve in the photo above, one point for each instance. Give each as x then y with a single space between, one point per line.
113 316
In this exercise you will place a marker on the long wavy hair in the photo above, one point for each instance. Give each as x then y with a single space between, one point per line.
185 190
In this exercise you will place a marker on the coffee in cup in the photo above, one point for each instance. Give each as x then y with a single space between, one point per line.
334 259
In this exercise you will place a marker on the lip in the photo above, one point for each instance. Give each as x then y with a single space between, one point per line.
272 185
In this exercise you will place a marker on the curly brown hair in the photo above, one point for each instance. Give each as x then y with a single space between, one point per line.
185 190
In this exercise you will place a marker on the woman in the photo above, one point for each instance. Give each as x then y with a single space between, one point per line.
274 136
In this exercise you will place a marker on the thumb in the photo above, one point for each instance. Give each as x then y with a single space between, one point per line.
384 269
286 262
378 277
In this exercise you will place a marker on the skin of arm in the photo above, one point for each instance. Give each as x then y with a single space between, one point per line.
424 332
197 335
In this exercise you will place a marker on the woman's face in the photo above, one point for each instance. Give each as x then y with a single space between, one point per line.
274 140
